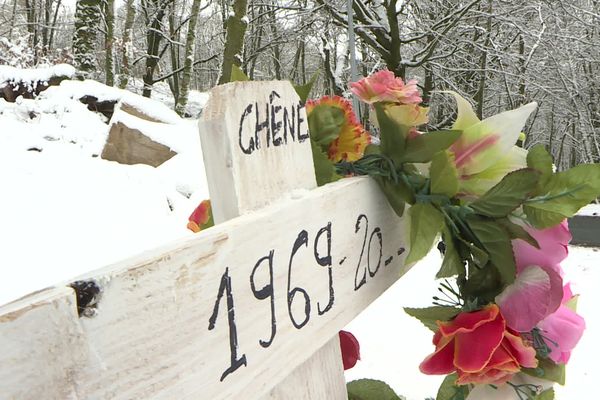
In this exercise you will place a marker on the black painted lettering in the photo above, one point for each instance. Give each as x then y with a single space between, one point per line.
266 292
251 145
377 232
300 120
301 240
260 125
225 287
363 280
325 261
289 125
275 124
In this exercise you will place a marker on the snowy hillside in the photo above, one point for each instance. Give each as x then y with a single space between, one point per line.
64 210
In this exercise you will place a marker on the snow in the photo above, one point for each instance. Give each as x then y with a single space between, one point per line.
77 89
393 344
591 210
43 74
162 93
64 210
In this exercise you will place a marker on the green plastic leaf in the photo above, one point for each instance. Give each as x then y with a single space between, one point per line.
304 90
508 194
324 168
540 160
548 370
484 284
480 256
237 75
325 123
563 195
372 149
425 224
422 148
428 316
546 395
397 194
443 174
370 389
497 243
392 134
452 264
449 391
517 232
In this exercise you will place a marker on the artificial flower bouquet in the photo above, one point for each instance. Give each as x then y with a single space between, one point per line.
504 320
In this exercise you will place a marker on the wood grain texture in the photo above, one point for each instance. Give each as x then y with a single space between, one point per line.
322 375
150 337
319 377
259 146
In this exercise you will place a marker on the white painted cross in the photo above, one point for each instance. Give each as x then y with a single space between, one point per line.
237 311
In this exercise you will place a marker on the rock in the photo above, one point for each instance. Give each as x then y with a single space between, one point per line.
127 145
105 107
136 111
30 82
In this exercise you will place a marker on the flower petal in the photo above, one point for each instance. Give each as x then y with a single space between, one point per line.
466 117
563 328
485 143
469 321
350 349
440 362
530 298
473 350
553 247
480 183
524 355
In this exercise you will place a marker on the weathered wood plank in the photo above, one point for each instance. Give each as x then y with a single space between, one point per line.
265 147
255 150
42 347
151 337
319 377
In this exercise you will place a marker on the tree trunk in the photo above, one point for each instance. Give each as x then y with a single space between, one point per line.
154 36
109 17
126 46
174 50
234 42
480 95
87 18
53 28
188 64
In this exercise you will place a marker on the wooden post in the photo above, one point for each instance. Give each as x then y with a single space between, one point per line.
255 137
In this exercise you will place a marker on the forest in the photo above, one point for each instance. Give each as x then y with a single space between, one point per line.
499 54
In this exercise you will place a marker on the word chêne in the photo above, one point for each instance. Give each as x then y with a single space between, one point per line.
280 121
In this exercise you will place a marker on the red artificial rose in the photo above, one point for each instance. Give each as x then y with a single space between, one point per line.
479 347
350 349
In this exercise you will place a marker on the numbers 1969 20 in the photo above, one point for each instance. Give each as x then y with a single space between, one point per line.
371 251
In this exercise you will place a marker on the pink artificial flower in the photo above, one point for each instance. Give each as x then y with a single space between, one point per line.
350 349
538 288
562 329
383 86
553 249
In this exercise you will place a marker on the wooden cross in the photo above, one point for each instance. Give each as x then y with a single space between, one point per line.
249 309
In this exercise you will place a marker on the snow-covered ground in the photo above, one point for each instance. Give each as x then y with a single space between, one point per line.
65 211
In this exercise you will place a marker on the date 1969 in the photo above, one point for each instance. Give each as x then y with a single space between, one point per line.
371 251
